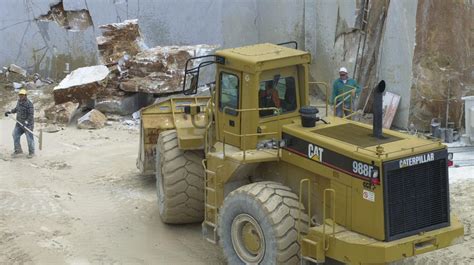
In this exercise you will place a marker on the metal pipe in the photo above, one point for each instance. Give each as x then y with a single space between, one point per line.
377 109
40 137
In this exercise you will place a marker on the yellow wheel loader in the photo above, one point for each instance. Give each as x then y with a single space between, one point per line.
273 183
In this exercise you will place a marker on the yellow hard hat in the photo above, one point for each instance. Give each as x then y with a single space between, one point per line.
22 92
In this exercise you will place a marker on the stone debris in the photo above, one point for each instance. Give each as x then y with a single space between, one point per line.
39 83
52 129
160 69
61 113
81 84
124 105
129 79
17 69
17 85
94 119
119 39
30 85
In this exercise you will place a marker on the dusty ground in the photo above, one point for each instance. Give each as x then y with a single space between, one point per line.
82 201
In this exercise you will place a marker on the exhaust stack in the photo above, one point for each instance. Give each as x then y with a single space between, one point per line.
377 109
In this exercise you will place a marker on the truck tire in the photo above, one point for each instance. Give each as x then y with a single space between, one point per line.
258 224
179 181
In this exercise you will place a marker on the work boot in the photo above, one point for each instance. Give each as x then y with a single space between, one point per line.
17 153
30 155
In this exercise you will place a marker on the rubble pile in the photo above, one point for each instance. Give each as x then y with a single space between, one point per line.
160 70
14 77
129 78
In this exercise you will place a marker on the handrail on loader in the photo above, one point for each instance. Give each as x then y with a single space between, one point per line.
327 93
333 203
349 96
300 210
244 136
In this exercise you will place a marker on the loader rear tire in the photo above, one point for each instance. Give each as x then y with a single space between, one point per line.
179 181
258 224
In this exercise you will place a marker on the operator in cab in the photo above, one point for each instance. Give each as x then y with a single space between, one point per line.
269 98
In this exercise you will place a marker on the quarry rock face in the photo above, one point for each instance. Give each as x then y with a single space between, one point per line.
81 84
442 62
119 39
61 113
161 69
94 119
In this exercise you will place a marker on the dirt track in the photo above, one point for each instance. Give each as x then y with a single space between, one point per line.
82 201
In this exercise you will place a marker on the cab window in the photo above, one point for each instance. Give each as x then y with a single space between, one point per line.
281 96
229 92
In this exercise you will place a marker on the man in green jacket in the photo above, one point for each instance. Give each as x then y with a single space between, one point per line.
340 86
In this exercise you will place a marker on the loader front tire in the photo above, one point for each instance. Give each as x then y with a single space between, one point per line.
258 224
179 181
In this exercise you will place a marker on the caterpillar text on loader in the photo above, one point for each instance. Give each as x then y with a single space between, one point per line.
272 183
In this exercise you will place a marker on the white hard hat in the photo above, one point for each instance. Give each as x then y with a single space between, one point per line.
343 69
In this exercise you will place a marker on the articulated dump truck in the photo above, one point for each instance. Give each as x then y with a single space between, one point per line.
274 183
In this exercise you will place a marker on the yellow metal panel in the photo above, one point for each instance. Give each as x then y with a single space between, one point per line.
341 205
158 121
354 248
262 57
368 215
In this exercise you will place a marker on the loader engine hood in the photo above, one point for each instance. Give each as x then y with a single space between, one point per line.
402 179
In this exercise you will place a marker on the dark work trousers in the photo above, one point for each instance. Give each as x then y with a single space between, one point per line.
17 133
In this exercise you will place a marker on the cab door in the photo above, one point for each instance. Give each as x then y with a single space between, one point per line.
229 101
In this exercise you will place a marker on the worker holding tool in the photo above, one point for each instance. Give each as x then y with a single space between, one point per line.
24 124
341 85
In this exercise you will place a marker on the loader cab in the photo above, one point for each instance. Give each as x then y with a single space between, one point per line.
258 89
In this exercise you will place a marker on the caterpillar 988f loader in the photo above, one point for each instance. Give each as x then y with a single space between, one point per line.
273 183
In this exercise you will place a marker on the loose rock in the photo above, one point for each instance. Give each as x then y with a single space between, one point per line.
119 39
94 119
160 69
17 69
81 84
17 85
123 105
61 113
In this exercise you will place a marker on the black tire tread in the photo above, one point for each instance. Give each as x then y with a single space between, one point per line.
183 181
